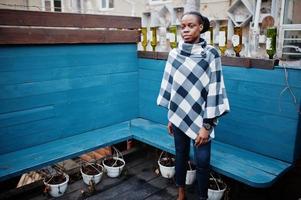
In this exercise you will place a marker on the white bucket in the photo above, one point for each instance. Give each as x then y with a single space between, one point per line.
166 172
114 171
57 190
190 177
216 194
95 178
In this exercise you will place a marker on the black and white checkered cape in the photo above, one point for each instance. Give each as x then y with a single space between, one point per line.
192 87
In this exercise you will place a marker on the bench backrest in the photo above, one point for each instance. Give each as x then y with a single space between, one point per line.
54 91
262 119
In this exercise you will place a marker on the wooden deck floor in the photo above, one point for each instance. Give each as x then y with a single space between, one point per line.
139 181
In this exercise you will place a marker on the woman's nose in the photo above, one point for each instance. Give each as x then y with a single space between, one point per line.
186 29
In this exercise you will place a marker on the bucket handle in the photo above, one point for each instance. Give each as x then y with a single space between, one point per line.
161 155
91 164
50 179
118 154
189 163
215 181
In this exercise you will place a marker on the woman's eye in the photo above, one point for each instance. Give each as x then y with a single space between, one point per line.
191 25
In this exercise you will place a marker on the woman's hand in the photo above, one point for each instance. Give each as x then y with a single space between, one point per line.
169 128
202 138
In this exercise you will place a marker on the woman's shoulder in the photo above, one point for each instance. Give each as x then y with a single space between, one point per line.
173 53
213 51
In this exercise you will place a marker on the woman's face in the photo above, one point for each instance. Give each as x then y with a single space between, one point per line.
191 29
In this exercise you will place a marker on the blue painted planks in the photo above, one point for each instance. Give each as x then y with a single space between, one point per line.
23 116
77 90
155 76
50 56
257 139
50 92
153 134
72 95
151 64
25 135
254 119
95 119
250 168
37 88
149 86
258 110
16 163
92 108
26 103
47 74
245 166
266 91
262 105
275 77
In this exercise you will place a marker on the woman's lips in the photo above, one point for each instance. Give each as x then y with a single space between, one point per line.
186 37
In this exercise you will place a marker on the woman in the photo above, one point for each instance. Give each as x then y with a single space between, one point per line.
192 89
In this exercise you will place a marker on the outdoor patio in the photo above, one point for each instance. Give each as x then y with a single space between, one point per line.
72 86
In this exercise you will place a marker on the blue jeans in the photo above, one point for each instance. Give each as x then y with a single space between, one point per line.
201 159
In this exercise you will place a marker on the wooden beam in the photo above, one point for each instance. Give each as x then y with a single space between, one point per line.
65 36
153 55
263 63
55 19
236 61
229 61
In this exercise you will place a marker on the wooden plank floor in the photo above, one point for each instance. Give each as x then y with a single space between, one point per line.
138 181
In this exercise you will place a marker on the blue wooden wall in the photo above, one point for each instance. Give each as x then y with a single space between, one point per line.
54 91
49 92
261 120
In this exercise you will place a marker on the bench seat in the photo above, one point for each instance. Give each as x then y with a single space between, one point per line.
36 157
153 134
245 166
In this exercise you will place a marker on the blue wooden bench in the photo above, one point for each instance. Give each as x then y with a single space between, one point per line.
36 157
54 108
258 141
58 101
245 166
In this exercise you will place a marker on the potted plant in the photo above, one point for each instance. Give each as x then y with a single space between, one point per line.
166 164
114 164
91 173
191 174
217 188
55 181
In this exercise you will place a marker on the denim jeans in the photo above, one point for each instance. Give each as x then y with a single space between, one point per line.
201 160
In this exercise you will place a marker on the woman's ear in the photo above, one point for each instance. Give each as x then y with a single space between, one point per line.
201 27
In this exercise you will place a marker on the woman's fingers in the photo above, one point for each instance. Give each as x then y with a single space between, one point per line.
169 128
200 140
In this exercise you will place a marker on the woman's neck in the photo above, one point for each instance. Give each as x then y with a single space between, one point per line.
197 40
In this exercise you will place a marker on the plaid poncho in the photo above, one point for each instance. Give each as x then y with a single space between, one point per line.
192 87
